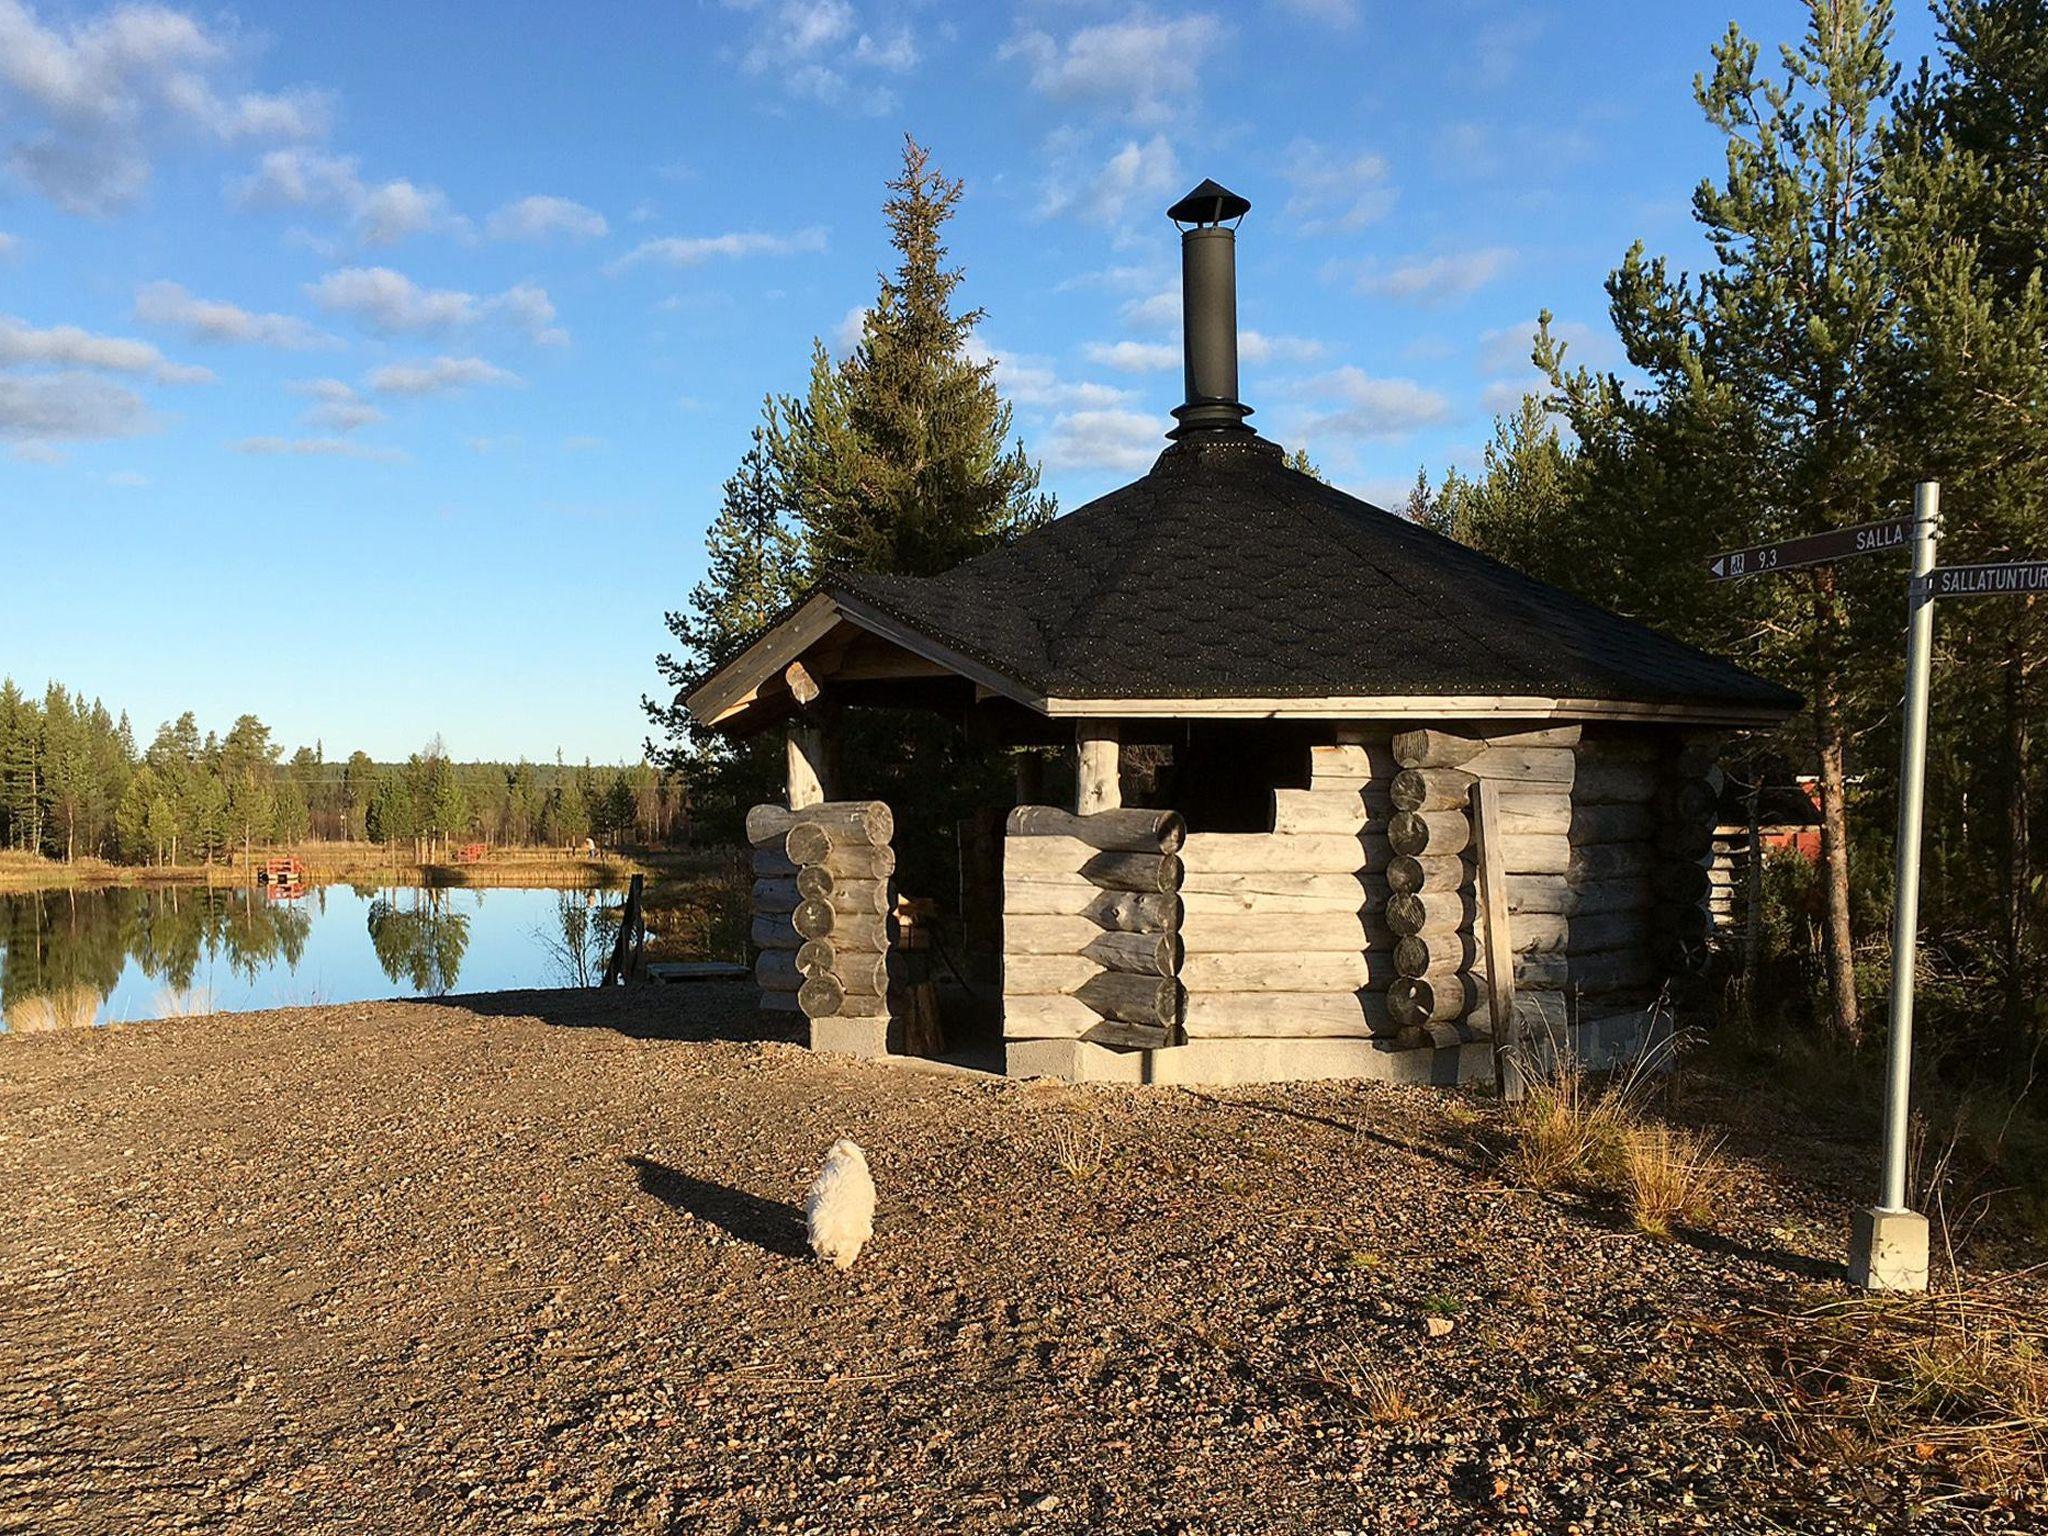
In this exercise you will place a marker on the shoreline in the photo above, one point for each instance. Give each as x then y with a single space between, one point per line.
343 864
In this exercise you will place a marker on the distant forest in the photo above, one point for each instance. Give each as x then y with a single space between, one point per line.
73 784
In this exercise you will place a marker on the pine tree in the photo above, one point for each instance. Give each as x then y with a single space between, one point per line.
1770 410
899 458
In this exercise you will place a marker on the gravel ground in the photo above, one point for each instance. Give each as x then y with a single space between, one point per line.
535 1262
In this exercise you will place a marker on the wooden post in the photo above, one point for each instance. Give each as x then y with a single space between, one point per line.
620 967
809 770
1500 948
1096 787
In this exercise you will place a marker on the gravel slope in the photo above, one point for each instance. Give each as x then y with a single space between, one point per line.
534 1262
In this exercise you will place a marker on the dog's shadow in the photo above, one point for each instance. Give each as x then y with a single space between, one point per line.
770 1225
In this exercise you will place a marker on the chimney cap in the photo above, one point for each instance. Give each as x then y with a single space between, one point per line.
1210 203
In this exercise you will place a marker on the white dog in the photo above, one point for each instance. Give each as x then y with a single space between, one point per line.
841 1211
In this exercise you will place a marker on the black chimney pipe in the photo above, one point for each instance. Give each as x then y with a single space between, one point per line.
1208 310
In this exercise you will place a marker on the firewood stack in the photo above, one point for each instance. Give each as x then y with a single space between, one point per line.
823 907
1439 955
1091 926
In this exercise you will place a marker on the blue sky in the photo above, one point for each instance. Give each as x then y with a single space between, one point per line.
375 367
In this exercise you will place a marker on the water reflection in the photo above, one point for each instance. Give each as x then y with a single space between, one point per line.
72 958
419 940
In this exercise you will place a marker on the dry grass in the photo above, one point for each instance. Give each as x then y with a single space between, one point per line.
46 1012
1566 1132
1668 1174
334 863
1957 1380
185 1002
1079 1149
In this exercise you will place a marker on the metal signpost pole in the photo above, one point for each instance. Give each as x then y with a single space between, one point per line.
1888 1242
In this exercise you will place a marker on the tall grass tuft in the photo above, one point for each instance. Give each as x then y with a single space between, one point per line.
1666 1174
72 1007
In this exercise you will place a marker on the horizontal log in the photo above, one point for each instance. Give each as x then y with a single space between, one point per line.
1541 811
1427 747
1128 999
1629 928
1427 872
1147 873
1323 810
1431 789
1594 824
1298 853
1047 973
1680 880
1282 890
772 930
1435 833
1525 765
1048 894
1277 933
857 1006
844 895
1134 911
1528 853
1602 861
815 919
1286 1015
830 994
1048 934
1045 854
775 970
1332 971
1350 765
1539 894
1144 1037
773 864
850 821
1046 1016
1600 781
1418 954
1141 954
1542 973
1434 912
775 895
1413 1001
1619 893
1539 1015
815 955
1129 830
777 1002
1616 970
857 862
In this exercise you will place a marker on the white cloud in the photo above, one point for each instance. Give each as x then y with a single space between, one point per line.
819 50
393 304
318 447
69 407
438 376
383 213
336 405
1335 191
542 218
1366 407
1104 439
33 453
846 335
1429 279
1133 356
1144 67
1155 312
169 304
1507 349
693 250
92 102
1136 173
66 346
1258 348
1034 382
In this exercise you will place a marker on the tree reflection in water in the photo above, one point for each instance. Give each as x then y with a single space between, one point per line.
419 941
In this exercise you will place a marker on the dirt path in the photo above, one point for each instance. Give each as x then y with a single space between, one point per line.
413 1267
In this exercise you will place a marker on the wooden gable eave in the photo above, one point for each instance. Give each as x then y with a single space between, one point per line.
830 639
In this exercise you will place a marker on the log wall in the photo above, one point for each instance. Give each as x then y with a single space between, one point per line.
1091 926
824 905
1286 931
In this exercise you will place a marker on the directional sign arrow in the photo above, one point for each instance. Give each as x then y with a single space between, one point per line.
2021 576
1814 549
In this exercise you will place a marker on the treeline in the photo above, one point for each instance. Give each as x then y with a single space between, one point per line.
1872 314
73 784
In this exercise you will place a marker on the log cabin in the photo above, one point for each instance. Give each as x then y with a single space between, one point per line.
1348 799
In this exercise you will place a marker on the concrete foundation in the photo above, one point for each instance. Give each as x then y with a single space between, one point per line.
857 1037
1452 1055
1888 1250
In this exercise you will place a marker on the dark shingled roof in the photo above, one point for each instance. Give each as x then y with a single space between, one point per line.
1225 574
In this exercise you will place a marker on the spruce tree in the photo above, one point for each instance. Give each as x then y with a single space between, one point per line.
900 458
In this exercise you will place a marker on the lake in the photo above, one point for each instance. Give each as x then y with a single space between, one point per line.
71 958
